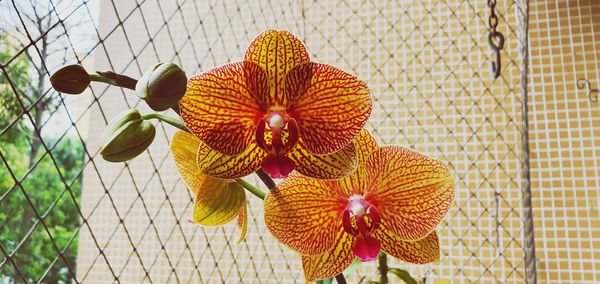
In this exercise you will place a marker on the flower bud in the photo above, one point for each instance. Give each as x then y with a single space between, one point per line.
162 86
126 136
71 79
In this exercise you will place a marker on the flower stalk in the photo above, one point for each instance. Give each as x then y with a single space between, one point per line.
266 179
114 79
252 189
170 120
340 278
383 268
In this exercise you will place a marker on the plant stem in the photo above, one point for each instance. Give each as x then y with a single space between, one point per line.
252 189
383 268
114 79
266 179
340 278
170 120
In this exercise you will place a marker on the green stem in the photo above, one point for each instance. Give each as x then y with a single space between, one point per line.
383 268
170 120
253 189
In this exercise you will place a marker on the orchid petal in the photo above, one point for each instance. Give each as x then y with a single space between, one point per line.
218 165
220 108
356 183
411 191
330 106
216 201
423 251
332 262
243 222
330 166
277 52
302 213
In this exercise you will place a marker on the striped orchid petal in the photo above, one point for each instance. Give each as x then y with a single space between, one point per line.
411 191
422 251
220 108
303 213
332 262
329 166
356 183
276 52
330 106
215 164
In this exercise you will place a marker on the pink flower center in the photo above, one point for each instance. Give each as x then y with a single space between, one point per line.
360 219
277 164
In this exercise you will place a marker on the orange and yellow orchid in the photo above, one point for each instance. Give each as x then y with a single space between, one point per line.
276 110
392 203
216 201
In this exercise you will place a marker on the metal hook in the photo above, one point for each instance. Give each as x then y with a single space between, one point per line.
591 93
496 66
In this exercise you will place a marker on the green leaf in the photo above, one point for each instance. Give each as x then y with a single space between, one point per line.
403 275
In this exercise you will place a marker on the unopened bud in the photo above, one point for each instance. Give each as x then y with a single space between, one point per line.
126 136
162 86
71 79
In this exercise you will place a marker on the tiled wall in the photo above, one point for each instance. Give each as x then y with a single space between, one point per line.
565 144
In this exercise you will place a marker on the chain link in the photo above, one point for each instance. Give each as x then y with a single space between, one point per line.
495 39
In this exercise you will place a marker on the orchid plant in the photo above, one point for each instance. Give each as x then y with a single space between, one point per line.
280 115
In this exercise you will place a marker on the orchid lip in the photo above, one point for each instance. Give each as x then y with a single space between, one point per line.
361 219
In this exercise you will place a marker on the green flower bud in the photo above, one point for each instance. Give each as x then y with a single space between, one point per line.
126 136
162 86
71 79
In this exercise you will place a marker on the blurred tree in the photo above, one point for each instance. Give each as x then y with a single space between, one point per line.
34 36
10 110
49 182
36 254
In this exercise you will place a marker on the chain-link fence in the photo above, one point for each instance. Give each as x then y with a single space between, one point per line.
68 216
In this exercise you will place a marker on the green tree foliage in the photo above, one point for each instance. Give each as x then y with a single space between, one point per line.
53 188
13 75
51 185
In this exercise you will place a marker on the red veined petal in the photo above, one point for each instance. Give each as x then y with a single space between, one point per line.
329 166
330 106
304 213
332 262
366 248
219 106
216 201
215 164
411 191
277 52
423 251
356 182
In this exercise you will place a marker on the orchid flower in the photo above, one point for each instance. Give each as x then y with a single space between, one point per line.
216 201
392 203
276 110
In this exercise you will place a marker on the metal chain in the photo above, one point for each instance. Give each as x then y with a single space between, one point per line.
495 39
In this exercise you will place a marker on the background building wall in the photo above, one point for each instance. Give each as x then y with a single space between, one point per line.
565 149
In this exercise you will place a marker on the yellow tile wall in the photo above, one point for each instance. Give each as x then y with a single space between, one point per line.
565 149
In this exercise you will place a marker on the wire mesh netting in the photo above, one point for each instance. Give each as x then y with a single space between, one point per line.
67 215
